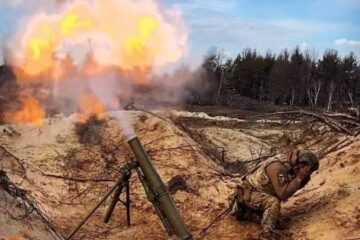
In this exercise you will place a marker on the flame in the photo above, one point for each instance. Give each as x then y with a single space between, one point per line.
89 106
36 44
135 51
31 112
135 46
39 51
71 24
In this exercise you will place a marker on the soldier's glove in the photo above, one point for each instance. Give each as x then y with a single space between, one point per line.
303 173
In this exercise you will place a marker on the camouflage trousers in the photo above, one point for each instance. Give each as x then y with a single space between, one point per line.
257 203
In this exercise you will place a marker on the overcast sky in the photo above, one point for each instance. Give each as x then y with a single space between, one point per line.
236 24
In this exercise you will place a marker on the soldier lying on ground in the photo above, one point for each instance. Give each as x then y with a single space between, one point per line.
271 182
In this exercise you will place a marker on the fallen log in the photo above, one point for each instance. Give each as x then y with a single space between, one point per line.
332 123
340 115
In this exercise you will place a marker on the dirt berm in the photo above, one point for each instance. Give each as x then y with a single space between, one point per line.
67 167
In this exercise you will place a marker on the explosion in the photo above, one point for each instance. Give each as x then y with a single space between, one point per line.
93 36
30 112
89 106
123 33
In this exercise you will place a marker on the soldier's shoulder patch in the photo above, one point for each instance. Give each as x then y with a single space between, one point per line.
282 179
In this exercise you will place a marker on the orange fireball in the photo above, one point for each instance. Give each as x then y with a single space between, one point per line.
131 35
30 112
89 106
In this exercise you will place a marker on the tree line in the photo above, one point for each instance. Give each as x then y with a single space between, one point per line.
294 78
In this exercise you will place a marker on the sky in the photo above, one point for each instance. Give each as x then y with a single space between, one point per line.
237 24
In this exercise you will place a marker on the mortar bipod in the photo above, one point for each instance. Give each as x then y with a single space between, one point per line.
116 199
123 181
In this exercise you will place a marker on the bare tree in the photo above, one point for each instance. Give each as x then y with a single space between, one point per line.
329 70
292 96
351 96
349 79
330 96
297 78
313 91
220 62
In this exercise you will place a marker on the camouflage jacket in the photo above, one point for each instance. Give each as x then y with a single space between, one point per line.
275 177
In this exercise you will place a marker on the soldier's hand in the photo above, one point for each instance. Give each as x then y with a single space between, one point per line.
303 173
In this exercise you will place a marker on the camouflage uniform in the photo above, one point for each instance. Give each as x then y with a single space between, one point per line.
262 190
265 203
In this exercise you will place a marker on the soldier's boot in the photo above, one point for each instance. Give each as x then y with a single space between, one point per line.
238 210
253 216
238 207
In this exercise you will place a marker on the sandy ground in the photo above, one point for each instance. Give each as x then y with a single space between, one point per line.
67 175
13 228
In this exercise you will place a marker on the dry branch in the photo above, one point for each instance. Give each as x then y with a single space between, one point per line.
179 148
340 115
4 151
260 158
333 123
157 139
217 218
29 205
132 107
76 179
335 147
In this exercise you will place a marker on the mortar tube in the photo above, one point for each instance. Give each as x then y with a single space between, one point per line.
166 203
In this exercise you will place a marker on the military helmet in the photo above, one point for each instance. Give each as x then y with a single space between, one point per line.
310 159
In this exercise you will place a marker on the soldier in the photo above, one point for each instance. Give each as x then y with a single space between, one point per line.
271 182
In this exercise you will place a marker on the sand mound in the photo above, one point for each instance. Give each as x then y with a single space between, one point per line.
68 168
